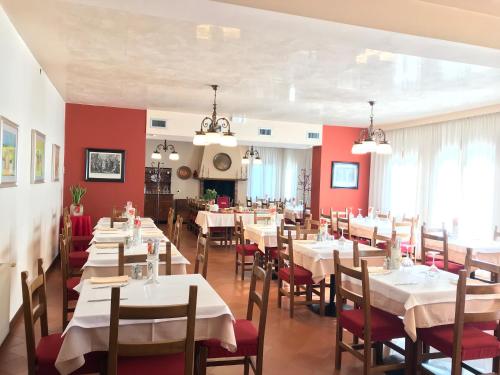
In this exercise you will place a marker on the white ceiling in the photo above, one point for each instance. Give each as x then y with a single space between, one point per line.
161 54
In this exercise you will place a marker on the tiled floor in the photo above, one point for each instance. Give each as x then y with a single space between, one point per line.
303 345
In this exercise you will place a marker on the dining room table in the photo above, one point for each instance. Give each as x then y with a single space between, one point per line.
482 248
103 260
317 257
209 219
121 231
88 330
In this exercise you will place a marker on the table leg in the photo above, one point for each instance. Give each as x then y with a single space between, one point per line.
330 307
411 356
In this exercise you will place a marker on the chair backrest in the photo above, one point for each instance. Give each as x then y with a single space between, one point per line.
286 227
343 294
64 254
389 241
261 217
259 299
405 230
463 315
142 258
115 219
170 222
117 212
358 254
223 202
239 230
178 232
345 224
440 238
496 233
471 264
285 254
34 291
304 233
158 347
201 263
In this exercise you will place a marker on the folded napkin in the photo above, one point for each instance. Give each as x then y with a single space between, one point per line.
109 280
375 270
100 245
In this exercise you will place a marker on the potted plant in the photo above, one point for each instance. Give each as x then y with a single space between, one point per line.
210 195
77 193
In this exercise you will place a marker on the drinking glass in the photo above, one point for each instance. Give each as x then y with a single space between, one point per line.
433 271
360 216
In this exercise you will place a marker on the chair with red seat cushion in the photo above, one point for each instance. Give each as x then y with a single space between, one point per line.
249 338
70 279
473 343
42 356
77 259
452 266
71 284
358 254
299 279
436 240
242 249
223 202
175 357
374 326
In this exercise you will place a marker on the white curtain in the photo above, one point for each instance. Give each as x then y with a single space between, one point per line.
278 174
442 171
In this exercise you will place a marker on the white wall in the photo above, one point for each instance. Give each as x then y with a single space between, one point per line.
29 214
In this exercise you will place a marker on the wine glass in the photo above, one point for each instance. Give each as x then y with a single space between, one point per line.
360 216
433 271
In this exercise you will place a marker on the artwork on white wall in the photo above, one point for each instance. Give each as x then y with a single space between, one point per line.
37 157
55 162
8 150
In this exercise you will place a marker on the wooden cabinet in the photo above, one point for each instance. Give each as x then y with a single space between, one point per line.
157 206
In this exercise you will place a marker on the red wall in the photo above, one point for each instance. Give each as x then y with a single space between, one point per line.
105 127
336 146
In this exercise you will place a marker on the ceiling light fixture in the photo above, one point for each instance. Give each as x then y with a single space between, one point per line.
251 154
156 155
371 139
212 129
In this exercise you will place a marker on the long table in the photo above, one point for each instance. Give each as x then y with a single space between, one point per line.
207 219
88 330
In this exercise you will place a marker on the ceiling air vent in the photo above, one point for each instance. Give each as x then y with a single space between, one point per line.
157 123
265 131
312 135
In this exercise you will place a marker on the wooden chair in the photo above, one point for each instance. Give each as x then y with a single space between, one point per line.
298 278
345 224
117 212
158 357
384 242
358 255
375 327
440 238
76 246
178 232
170 222
242 249
34 292
141 258
212 354
496 234
286 228
201 262
260 217
304 234
472 264
115 219
70 279
464 340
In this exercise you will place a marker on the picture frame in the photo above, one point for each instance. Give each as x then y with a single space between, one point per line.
104 165
9 144
37 157
56 162
345 175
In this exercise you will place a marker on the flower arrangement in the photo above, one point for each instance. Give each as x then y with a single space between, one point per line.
210 195
77 193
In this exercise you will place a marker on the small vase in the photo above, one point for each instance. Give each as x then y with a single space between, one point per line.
76 209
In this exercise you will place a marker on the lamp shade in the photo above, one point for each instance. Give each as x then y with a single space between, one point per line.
384 148
369 145
199 139
212 137
156 155
228 140
173 156
245 160
257 161
357 148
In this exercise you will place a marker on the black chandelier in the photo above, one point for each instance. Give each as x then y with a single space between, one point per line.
371 139
251 153
156 155
212 129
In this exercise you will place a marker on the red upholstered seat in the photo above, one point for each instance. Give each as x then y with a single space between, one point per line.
452 266
381 245
71 283
273 252
247 339
476 344
217 230
385 326
168 364
246 250
77 259
484 326
47 351
80 243
364 241
301 275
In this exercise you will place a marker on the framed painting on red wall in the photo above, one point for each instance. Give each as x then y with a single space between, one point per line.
345 175
104 165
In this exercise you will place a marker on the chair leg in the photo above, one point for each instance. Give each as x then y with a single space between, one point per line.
246 366
236 262
322 298
379 347
292 300
202 369
338 350
367 358
280 284
242 267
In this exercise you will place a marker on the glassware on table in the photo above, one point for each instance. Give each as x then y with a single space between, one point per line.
407 262
410 250
360 215
341 239
433 271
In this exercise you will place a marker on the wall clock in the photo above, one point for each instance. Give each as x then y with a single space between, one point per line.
222 161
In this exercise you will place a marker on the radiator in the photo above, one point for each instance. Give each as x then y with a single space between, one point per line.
5 269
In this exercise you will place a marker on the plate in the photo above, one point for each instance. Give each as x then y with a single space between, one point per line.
222 161
184 172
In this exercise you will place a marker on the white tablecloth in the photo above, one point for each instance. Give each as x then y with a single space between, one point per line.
317 257
206 219
261 234
106 222
363 227
486 250
119 235
293 213
421 301
88 330
104 262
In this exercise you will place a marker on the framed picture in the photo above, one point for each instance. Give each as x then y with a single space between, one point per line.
8 150
104 165
345 175
55 162
37 157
